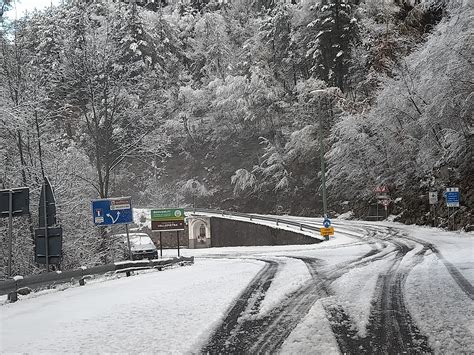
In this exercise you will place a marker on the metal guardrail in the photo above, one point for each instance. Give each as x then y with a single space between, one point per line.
251 217
50 279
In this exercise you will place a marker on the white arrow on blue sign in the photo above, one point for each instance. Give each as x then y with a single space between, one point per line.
109 211
327 223
452 197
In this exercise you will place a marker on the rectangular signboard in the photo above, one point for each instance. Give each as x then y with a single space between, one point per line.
169 219
20 201
167 225
452 197
327 231
55 245
109 211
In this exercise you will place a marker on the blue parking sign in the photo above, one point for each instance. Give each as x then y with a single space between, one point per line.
109 211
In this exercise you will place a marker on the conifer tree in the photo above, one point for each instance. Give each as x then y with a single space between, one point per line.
329 39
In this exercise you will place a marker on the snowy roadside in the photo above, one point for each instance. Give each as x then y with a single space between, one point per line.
164 312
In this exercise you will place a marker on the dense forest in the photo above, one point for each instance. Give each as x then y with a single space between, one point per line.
229 103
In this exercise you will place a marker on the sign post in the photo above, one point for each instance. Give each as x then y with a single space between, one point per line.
327 229
13 202
452 197
166 220
48 236
10 231
111 211
161 247
382 197
433 200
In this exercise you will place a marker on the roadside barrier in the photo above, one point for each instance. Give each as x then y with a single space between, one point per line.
26 284
252 217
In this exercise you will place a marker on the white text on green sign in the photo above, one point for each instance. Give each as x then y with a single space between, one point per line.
169 214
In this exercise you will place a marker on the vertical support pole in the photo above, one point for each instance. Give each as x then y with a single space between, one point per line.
449 217
323 168
10 231
454 216
128 243
377 208
432 215
161 247
177 238
46 242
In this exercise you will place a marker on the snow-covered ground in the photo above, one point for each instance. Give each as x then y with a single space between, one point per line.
332 297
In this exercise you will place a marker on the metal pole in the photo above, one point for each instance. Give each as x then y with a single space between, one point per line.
161 247
449 217
177 237
128 242
10 231
46 227
323 167
454 216
432 215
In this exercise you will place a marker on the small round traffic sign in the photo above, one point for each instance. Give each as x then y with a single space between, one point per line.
326 223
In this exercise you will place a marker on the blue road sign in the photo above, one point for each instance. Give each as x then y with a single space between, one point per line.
110 211
326 222
452 197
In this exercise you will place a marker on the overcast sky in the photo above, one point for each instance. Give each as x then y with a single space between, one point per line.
20 6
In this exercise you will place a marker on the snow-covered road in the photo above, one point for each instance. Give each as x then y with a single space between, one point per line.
374 288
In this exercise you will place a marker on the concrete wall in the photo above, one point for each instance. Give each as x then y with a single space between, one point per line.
226 232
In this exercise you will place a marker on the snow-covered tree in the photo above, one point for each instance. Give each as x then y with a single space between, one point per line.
329 38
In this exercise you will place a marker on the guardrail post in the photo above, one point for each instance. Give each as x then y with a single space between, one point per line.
82 281
250 217
13 296
277 222
301 227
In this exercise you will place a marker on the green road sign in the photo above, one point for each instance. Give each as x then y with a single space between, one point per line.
168 219
169 214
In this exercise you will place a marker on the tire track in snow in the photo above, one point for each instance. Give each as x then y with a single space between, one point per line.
225 338
457 276
464 284
391 328
243 331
